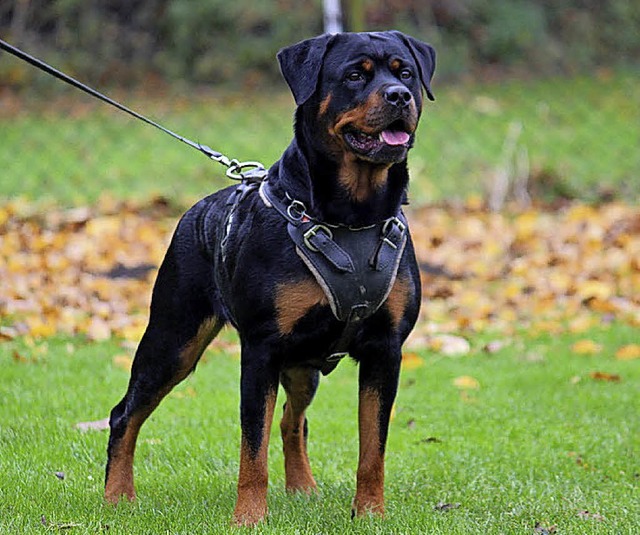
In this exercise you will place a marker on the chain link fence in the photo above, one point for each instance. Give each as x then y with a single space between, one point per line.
535 101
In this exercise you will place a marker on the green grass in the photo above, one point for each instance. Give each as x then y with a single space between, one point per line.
532 444
581 131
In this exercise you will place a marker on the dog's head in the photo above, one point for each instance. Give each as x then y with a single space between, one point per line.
362 90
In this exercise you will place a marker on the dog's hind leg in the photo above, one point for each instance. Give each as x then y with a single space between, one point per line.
300 384
181 325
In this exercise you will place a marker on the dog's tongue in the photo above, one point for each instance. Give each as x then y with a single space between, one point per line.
395 137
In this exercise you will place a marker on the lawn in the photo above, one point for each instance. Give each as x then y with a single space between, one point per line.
532 440
519 390
577 135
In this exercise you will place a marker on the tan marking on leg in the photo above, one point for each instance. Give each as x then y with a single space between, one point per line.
251 506
195 347
397 300
294 300
120 478
370 478
298 475
296 461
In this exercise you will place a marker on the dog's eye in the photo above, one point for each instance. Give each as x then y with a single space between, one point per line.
355 76
406 74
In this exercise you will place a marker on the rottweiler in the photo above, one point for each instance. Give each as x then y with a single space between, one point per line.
310 263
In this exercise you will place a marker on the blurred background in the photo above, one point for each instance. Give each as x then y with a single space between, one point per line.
536 100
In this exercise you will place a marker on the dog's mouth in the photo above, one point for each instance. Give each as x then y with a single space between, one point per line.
385 145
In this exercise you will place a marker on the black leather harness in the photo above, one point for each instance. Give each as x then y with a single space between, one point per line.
355 267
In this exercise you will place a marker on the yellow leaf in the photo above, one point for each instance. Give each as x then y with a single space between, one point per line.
412 361
594 289
39 328
581 324
466 382
586 347
123 362
628 352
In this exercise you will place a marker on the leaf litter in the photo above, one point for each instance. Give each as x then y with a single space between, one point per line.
89 270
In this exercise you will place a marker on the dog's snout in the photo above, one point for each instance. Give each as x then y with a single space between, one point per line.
397 95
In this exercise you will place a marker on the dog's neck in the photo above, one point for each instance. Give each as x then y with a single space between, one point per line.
348 191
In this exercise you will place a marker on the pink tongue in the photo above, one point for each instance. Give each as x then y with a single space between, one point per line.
391 137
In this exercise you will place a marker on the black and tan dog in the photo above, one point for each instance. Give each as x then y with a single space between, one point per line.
308 265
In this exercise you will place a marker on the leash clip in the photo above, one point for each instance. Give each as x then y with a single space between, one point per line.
236 171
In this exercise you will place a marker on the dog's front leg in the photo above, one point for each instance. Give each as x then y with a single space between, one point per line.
378 386
258 391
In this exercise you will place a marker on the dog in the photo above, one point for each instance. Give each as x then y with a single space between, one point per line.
311 263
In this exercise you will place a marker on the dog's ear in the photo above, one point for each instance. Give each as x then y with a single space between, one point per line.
300 65
425 57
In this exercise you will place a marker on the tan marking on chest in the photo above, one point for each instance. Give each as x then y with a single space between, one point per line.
294 300
361 179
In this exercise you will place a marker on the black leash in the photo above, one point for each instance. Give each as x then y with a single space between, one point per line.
236 170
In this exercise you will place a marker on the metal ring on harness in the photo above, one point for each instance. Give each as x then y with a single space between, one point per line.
236 168
297 210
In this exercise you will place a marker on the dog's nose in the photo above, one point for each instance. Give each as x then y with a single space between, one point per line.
397 95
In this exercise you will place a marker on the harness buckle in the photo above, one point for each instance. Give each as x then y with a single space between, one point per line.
393 221
312 232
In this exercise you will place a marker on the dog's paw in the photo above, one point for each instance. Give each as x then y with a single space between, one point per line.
115 496
249 513
367 507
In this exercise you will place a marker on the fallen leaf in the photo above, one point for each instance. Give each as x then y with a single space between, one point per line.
603 376
124 362
450 345
545 530
594 289
96 425
18 357
586 347
98 329
590 516
188 392
466 382
8 333
628 352
494 346
444 506
412 361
